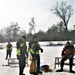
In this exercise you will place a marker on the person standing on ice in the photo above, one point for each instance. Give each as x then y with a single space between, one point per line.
67 53
22 54
34 48
9 50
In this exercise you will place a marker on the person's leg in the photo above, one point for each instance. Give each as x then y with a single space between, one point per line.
6 54
38 63
21 66
62 62
24 62
10 54
71 63
61 65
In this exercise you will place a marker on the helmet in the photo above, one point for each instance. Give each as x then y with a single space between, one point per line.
24 37
34 37
67 43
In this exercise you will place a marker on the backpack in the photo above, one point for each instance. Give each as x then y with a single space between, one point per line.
45 68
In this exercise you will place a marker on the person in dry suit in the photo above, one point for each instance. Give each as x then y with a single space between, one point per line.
22 54
67 53
34 48
8 50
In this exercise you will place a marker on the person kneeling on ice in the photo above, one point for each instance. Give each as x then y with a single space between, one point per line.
67 53
34 48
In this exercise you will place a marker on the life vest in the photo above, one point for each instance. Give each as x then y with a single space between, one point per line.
22 47
9 47
34 49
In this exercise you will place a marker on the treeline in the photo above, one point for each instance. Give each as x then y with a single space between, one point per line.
55 33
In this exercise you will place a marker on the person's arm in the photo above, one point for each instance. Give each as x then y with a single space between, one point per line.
18 48
29 44
63 51
40 48
6 47
11 47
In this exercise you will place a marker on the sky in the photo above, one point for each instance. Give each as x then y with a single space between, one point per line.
21 11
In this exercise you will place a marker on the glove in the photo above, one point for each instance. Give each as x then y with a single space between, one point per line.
41 50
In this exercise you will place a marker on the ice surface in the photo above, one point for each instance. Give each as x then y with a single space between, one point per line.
47 57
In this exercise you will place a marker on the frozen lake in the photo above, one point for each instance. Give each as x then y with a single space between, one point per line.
47 57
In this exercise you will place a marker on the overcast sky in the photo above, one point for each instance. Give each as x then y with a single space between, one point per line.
22 11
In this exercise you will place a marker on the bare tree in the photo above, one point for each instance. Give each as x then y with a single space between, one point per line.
60 26
12 31
22 32
64 12
14 28
73 34
32 25
8 33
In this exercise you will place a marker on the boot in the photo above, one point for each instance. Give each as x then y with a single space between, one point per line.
62 64
5 58
60 70
71 71
23 74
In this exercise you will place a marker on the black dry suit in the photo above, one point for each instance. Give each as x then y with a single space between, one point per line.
21 51
35 53
70 56
9 50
